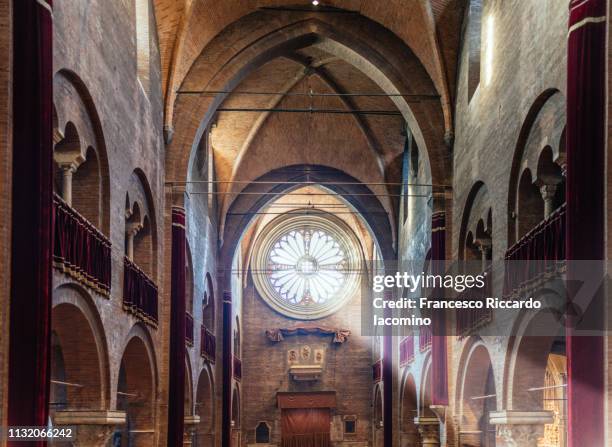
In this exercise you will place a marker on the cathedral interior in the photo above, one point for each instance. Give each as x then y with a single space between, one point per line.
197 195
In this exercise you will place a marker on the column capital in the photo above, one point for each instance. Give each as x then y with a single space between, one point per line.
132 228
548 190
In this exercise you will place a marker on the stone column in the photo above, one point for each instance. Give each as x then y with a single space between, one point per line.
131 230
519 428
548 195
94 428
67 171
484 246
190 423
429 429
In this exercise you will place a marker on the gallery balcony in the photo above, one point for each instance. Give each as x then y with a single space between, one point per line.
80 250
139 293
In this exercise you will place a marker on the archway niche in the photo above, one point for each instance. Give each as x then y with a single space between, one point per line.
541 139
208 305
378 422
81 162
478 399
409 435
538 371
136 394
530 206
76 368
204 407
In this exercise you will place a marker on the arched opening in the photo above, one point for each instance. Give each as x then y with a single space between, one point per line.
76 368
478 399
551 182
205 408
409 410
473 39
143 247
87 188
539 372
81 163
236 408
542 133
377 419
136 395
208 304
143 43
426 394
237 347
262 433
530 206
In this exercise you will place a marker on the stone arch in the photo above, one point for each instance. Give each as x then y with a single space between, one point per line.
408 411
282 181
476 223
208 305
530 206
379 58
205 408
137 388
538 335
141 224
74 105
544 125
80 369
236 419
425 390
477 395
378 416
550 180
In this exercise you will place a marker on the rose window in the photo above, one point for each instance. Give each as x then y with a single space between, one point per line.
306 266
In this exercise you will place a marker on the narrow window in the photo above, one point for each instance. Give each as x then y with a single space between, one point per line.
473 37
262 433
143 49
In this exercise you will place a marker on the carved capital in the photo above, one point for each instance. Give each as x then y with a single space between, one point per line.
548 191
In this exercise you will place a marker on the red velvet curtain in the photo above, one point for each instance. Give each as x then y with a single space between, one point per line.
32 215
176 390
439 383
305 427
80 249
140 295
534 256
586 130
226 420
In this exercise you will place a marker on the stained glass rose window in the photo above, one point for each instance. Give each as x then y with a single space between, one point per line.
306 266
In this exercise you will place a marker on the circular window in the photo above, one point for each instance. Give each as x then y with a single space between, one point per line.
306 266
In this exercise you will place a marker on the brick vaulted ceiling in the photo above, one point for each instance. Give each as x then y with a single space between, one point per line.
194 35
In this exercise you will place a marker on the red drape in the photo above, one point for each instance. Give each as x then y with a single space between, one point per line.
80 249
226 420
208 344
140 295
586 127
176 390
439 383
387 376
32 214
407 350
467 320
305 427
534 257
